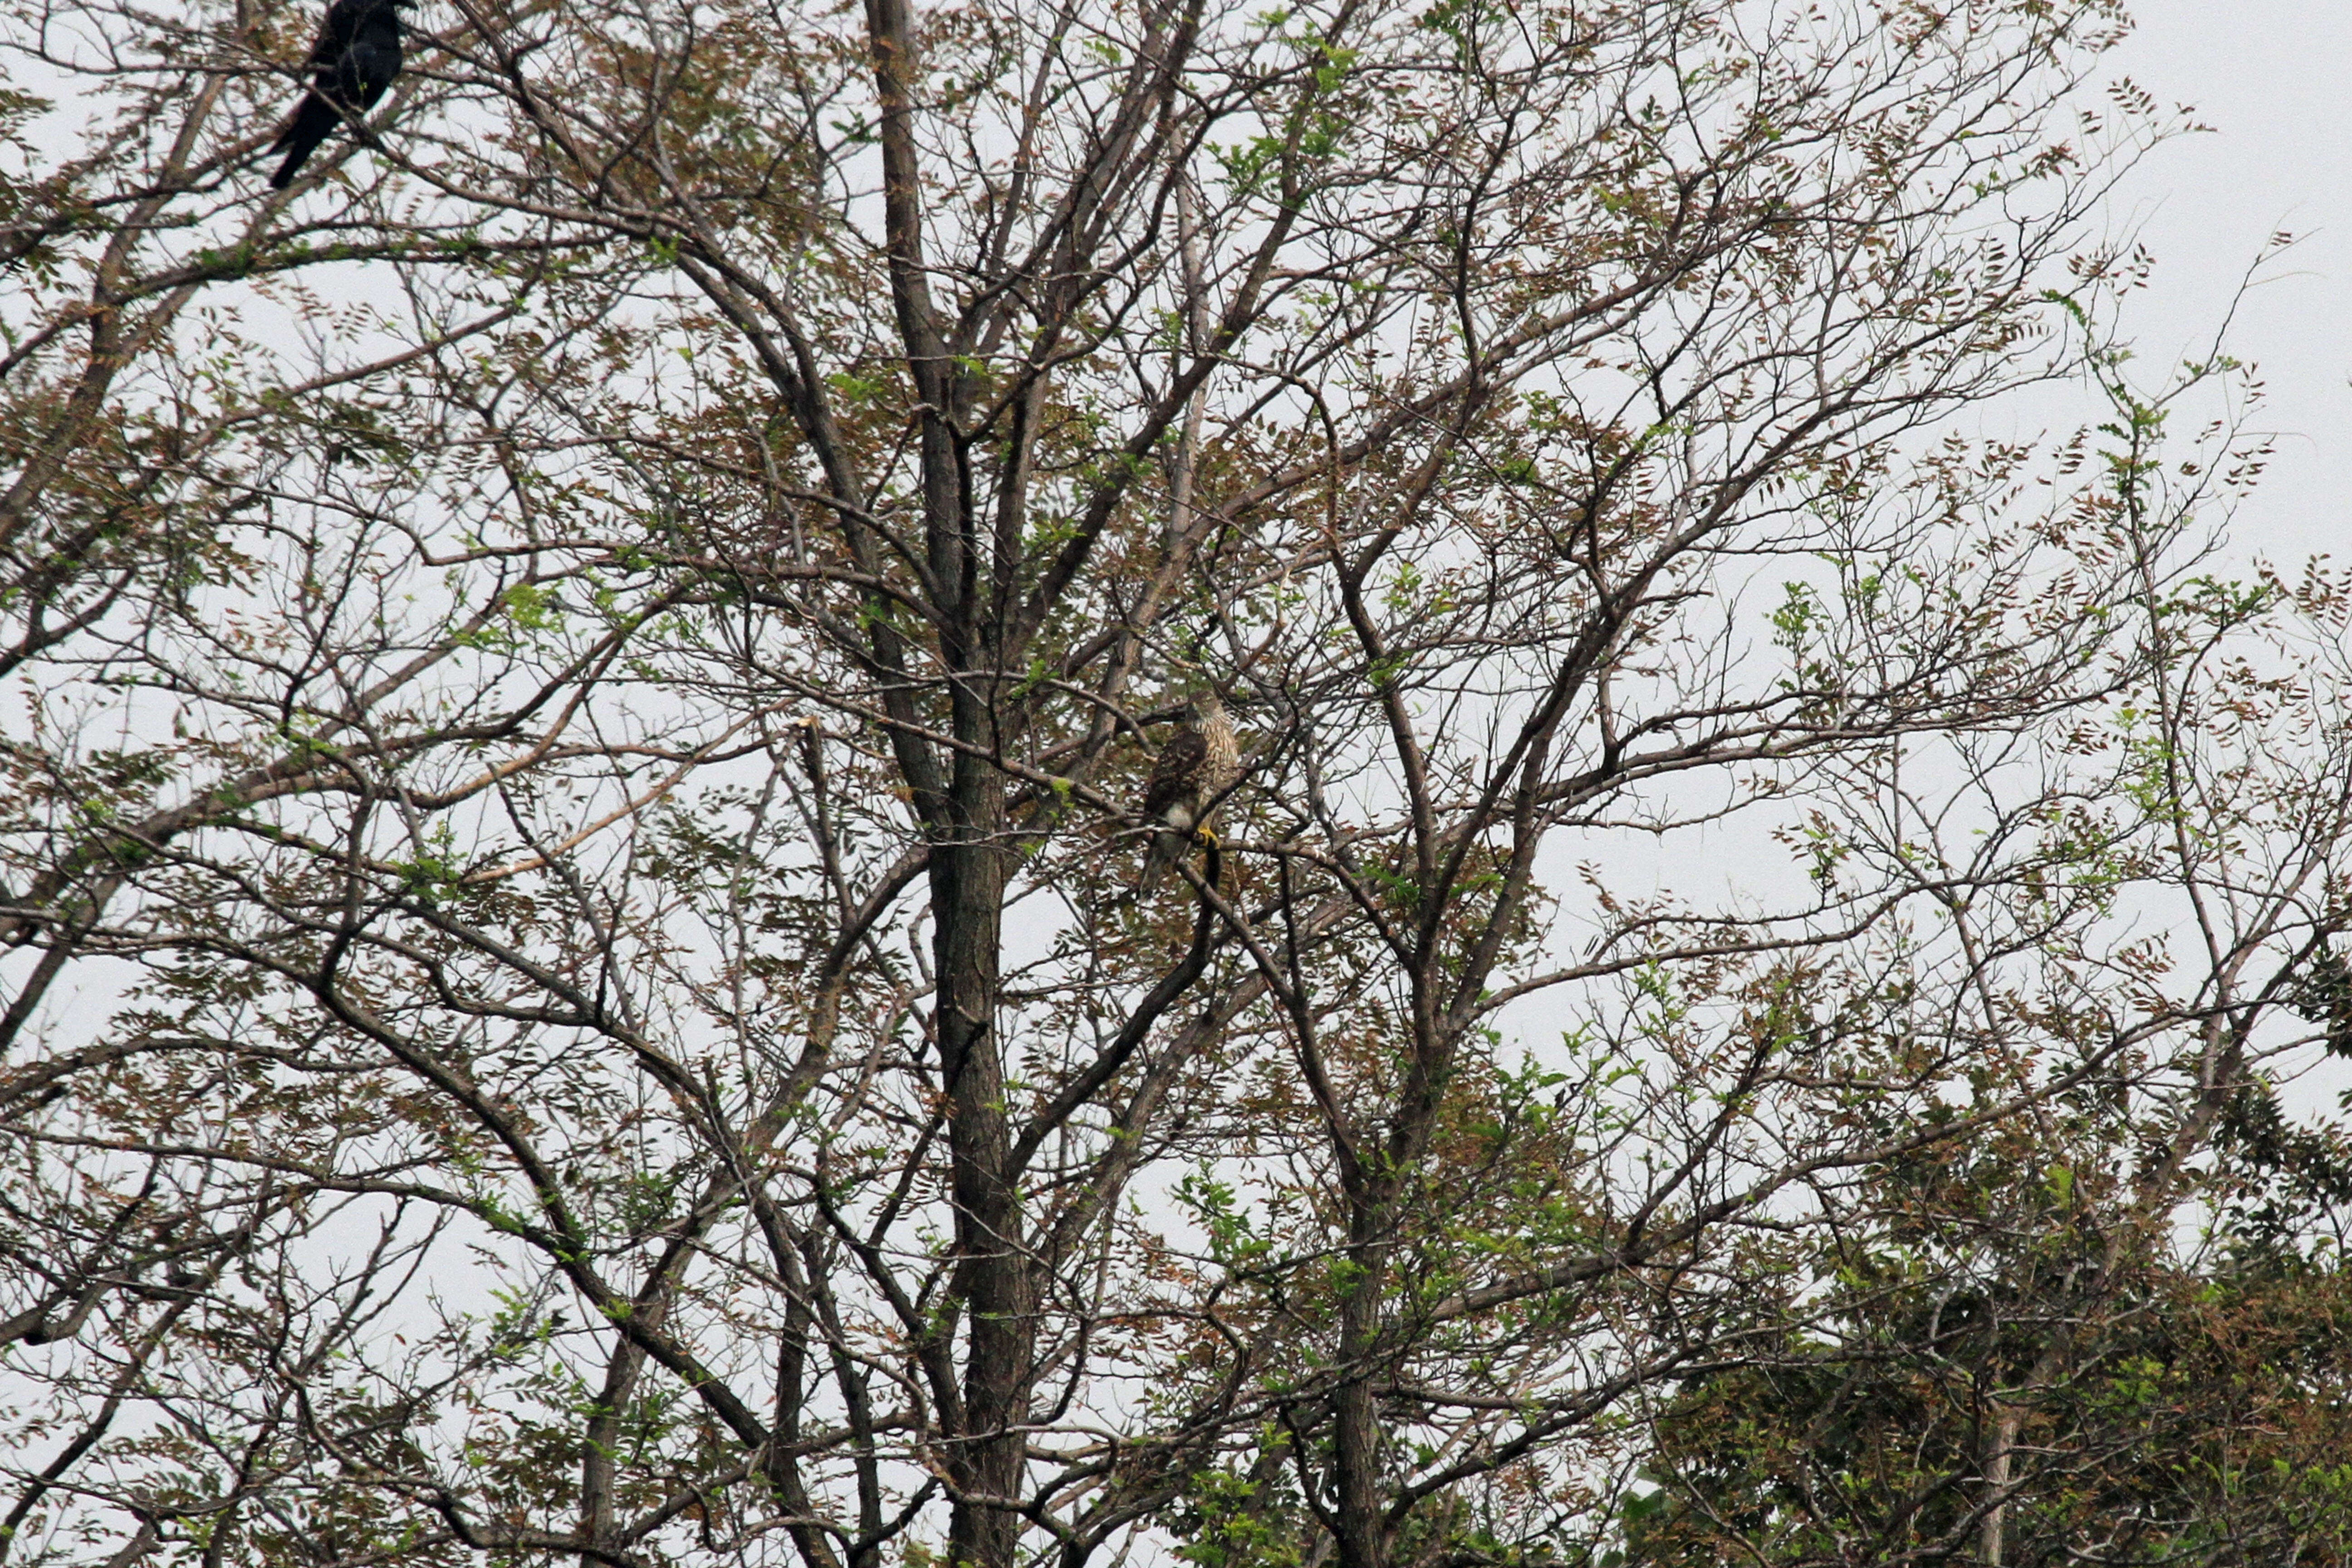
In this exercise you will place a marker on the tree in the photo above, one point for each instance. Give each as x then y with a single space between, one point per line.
588 675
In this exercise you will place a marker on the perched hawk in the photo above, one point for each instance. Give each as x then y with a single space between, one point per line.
1198 762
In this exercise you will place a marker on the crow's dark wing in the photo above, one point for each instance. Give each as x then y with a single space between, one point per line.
337 29
369 66
1177 776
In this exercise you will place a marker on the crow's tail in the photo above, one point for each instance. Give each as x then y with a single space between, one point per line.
312 121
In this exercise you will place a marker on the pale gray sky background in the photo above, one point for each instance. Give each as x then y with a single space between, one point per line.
2274 79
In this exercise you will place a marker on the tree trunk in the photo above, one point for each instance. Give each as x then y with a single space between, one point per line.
993 1275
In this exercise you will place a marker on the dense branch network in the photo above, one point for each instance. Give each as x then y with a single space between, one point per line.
613 948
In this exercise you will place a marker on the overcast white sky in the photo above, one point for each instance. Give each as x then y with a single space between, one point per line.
2272 77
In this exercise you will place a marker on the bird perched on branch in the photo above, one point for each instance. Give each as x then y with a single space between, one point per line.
1199 763
354 60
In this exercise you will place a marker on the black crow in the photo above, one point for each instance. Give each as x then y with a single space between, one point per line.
355 58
